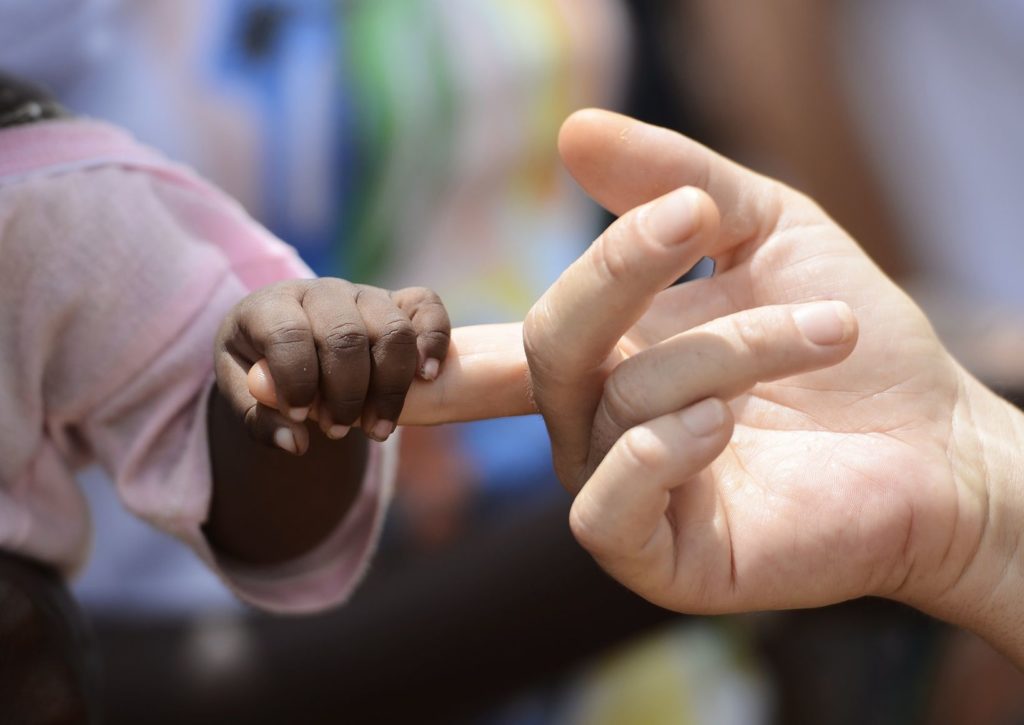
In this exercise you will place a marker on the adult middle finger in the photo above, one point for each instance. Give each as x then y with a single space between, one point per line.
571 333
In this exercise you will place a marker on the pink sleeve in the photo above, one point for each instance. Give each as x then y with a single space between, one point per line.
121 278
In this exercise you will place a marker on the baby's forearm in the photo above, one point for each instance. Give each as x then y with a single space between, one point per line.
269 506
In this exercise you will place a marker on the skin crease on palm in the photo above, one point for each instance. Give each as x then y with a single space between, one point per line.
890 472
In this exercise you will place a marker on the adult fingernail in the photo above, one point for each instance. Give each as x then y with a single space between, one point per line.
675 217
381 430
703 418
824 323
430 368
337 432
285 440
299 414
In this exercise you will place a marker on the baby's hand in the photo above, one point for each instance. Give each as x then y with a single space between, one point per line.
338 352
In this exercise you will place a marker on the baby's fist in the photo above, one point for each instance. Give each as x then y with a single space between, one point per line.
339 353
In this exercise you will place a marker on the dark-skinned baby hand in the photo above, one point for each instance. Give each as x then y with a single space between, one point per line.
342 354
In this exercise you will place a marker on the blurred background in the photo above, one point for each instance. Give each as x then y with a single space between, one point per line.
402 142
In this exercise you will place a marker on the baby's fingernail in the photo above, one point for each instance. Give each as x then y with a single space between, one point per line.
430 368
299 414
381 430
285 440
337 432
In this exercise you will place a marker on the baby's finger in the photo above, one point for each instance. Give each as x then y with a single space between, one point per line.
430 321
343 347
393 361
266 425
620 515
279 330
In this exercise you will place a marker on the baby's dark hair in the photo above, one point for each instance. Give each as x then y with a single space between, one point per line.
22 102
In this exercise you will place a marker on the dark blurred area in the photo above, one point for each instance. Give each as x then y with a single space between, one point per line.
400 142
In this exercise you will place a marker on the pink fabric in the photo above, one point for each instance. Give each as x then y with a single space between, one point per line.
116 268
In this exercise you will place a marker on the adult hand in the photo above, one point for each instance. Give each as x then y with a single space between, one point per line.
891 473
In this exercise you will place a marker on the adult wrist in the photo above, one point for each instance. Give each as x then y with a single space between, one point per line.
987 594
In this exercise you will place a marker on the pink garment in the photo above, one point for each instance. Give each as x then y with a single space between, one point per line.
116 269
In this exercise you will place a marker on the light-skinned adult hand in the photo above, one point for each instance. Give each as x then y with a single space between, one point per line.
788 433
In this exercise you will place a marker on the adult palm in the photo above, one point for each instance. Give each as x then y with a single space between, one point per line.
861 478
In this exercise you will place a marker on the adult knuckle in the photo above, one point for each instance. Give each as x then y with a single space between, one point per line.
544 370
619 401
549 359
609 257
538 337
534 325
751 336
585 527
